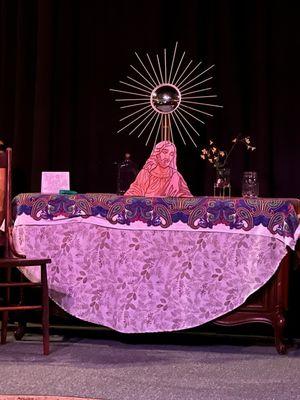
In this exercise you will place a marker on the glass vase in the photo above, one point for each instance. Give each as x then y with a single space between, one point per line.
222 186
250 185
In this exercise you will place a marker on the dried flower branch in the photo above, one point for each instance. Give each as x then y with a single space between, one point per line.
219 157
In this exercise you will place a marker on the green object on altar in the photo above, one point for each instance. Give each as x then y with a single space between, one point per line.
63 191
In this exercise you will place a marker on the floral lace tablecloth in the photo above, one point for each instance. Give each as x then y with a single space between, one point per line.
116 262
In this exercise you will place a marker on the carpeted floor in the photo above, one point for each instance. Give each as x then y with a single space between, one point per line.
112 370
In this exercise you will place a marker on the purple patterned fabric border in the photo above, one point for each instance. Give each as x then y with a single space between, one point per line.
277 215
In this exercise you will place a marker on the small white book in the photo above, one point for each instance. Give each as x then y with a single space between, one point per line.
53 182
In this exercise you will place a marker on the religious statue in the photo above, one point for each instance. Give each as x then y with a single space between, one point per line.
159 176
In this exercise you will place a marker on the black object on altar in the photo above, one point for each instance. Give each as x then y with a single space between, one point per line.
127 171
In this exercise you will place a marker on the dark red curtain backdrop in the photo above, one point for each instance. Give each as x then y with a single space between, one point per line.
58 60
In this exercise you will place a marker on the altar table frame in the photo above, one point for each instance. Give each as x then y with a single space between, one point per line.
268 305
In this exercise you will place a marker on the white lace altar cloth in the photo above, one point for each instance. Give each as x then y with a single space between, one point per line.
148 280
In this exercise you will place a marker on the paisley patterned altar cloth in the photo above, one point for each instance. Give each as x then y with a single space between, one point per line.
149 265
271 217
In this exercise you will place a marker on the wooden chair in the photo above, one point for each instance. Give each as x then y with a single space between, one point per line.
10 260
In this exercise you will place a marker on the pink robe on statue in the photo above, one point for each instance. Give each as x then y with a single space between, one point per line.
165 182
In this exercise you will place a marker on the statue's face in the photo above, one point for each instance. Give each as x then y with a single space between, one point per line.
165 157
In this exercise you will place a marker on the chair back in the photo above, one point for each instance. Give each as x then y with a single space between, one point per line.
5 196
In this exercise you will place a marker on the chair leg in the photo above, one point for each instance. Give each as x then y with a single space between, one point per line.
4 327
21 328
45 316
5 313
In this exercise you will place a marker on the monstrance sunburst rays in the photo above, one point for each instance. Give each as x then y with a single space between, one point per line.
164 99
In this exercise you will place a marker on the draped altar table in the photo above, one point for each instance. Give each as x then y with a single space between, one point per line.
138 264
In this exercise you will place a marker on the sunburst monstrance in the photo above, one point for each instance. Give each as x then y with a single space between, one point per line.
164 99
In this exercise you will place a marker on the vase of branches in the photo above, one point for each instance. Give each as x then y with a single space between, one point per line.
219 160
